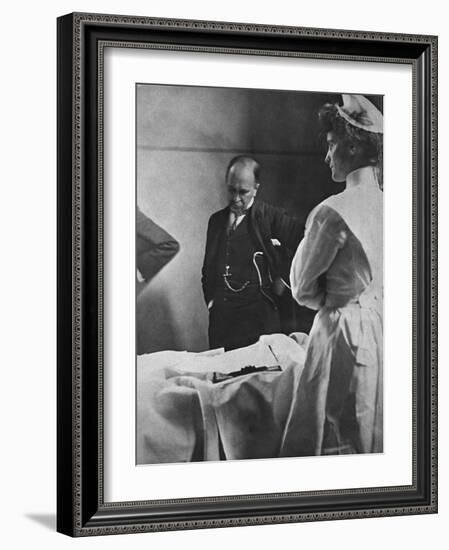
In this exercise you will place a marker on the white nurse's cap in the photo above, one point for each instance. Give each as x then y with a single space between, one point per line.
360 112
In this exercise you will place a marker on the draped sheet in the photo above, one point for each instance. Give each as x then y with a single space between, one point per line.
182 416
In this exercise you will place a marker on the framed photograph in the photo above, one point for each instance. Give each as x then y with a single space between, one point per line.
247 284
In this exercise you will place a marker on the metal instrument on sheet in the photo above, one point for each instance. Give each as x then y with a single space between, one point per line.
249 369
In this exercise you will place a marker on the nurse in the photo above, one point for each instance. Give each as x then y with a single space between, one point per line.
338 270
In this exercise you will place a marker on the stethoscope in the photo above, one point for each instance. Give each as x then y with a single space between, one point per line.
228 285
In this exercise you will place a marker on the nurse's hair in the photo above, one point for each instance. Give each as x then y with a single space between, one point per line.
370 143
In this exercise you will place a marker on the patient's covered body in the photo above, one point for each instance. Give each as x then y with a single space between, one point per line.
184 414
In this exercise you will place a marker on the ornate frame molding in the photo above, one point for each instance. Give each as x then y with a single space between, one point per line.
81 42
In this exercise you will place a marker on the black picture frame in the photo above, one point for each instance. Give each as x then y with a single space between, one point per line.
81 510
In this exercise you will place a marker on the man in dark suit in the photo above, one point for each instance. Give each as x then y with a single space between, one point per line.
246 266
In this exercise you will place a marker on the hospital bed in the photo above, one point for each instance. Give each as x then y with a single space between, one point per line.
217 405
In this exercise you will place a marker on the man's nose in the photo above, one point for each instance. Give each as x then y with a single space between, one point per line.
327 158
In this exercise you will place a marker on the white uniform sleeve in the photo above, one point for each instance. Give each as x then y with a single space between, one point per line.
325 234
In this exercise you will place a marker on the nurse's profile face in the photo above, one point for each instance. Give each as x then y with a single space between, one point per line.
338 157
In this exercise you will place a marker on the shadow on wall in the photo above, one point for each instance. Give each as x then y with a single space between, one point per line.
170 309
155 320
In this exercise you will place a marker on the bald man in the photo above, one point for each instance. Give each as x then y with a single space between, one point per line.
249 249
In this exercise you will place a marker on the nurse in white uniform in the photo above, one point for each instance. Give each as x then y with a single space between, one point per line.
338 270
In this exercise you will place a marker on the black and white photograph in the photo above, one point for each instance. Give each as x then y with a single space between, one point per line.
222 286
259 273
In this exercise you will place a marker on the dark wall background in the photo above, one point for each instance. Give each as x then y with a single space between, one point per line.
185 138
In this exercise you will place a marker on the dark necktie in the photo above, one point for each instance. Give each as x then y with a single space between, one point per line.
233 225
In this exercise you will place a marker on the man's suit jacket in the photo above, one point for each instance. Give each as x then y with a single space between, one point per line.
266 222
